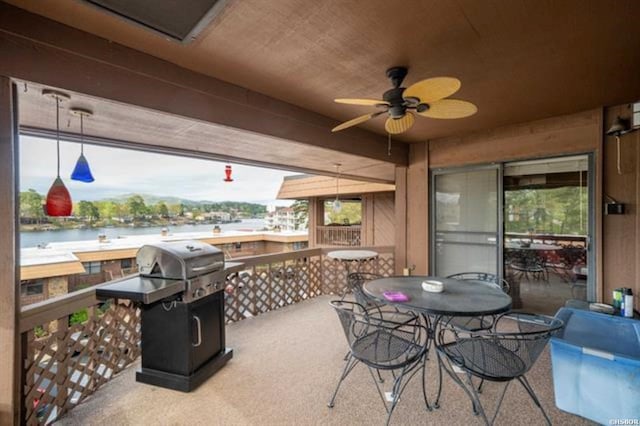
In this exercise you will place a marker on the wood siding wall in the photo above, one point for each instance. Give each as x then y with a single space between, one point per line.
621 236
383 220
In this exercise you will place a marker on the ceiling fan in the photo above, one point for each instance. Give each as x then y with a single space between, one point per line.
427 98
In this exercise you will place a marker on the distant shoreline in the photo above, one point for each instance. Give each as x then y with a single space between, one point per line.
35 238
50 228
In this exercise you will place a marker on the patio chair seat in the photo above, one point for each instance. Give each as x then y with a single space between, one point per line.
381 347
486 358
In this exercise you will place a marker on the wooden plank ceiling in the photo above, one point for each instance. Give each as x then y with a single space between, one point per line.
518 60
114 123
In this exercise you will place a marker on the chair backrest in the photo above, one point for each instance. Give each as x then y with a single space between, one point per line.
380 342
483 278
355 281
510 349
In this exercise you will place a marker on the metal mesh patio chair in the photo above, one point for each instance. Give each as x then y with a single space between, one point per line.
381 344
504 354
477 322
529 265
355 283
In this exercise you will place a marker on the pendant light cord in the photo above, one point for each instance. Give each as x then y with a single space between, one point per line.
618 160
337 181
81 134
58 131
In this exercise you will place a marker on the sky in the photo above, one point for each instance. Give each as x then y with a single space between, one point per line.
120 171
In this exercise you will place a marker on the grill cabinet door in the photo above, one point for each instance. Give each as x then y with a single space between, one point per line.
207 328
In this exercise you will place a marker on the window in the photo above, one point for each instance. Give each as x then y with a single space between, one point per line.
350 213
300 245
126 263
237 246
92 268
32 288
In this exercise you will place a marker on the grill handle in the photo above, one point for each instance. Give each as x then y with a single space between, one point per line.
200 268
198 332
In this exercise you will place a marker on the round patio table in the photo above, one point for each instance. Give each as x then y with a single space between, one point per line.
459 298
350 256
347 257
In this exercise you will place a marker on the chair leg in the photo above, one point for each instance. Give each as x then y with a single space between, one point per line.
436 404
351 362
477 405
424 378
380 379
399 386
480 385
525 383
459 382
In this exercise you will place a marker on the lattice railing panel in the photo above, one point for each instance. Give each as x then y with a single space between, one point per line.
265 287
72 362
334 272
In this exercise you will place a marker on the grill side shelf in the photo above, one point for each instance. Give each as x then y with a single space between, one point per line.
141 289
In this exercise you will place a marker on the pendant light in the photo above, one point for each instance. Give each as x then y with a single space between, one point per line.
58 202
82 171
227 173
337 205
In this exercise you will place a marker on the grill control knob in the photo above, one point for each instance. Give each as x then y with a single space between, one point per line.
198 293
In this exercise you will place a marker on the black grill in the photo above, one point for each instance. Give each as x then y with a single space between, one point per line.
180 293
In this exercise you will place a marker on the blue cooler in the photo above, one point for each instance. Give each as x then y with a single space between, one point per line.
596 366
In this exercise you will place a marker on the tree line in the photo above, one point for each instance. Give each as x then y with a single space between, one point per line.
134 208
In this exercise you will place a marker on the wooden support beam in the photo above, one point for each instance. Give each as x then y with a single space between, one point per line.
418 209
41 50
9 251
400 203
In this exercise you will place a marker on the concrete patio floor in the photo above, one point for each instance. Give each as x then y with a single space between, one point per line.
285 366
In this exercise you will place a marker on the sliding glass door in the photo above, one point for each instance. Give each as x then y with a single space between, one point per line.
466 221
529 222
548 222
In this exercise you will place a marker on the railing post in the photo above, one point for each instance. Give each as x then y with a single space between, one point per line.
61 362
10 389
27 339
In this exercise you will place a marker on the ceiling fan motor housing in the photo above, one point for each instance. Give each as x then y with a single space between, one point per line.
397 105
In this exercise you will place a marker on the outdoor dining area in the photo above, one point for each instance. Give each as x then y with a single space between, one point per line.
382 349
285 371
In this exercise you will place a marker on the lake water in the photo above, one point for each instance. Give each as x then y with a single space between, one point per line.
32 239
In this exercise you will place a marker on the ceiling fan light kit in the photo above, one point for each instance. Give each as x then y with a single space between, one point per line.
426 98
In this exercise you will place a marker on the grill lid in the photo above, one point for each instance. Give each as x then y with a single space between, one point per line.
179 260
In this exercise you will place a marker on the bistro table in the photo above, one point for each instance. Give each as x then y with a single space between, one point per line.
459 298
348 257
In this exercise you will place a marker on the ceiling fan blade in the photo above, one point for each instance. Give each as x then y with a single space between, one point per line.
432 89
366 102
355 121
450 108
396 126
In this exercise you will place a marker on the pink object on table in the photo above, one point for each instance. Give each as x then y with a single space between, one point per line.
395 296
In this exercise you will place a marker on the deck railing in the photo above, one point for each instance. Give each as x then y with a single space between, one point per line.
339 236
73 344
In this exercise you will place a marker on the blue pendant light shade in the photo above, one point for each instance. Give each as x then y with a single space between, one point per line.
82 171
